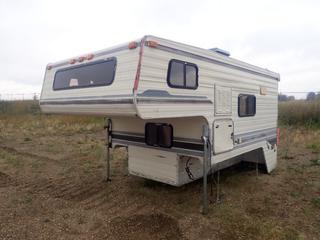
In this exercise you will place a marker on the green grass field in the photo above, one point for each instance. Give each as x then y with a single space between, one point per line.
302 113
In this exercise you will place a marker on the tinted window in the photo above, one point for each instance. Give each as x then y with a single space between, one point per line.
176 74
151 131
165 136
182 75
159 134
246 105
100 73
191 76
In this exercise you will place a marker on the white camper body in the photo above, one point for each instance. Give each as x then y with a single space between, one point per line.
159 94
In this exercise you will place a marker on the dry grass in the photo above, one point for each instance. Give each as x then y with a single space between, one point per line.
303 113
19 107
26 116
51 171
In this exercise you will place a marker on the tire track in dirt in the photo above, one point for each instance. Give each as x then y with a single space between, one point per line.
25 154
33 156
98 201
63 188
79 193
67 188
95 201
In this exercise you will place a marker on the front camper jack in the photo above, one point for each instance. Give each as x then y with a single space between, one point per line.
108 130
206 159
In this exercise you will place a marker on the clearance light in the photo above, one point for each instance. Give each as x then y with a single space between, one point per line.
133 45
49 67
90 56
151 44
72 61
81 59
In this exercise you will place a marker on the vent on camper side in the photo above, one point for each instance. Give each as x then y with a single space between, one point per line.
220 51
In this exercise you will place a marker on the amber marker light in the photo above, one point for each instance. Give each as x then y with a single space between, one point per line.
152 44
133 45
81 59
72 61
90 56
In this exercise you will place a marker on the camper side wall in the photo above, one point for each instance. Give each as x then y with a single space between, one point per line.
225 90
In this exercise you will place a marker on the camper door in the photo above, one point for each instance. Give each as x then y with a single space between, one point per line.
223 135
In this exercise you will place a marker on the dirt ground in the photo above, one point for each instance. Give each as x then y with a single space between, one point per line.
51 187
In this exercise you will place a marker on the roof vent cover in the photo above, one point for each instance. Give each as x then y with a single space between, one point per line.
220 51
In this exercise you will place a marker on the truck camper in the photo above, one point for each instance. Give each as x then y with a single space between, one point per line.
180 110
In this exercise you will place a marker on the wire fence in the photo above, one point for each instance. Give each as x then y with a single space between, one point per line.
287 96
19 96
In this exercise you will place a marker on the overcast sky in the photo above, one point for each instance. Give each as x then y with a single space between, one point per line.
283 36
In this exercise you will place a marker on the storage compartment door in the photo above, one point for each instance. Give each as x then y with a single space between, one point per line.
223 137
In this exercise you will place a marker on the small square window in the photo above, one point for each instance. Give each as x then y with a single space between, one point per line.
182 75
246 105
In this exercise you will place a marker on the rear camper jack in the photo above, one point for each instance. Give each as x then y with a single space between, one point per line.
108 129
206 158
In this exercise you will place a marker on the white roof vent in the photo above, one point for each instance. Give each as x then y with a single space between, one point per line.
221 51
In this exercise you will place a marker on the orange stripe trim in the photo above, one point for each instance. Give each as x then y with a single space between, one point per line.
136 81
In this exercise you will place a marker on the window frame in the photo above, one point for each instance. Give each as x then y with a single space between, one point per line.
185 64
111 59
158 125
255 105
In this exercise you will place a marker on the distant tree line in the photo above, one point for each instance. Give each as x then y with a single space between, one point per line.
311 96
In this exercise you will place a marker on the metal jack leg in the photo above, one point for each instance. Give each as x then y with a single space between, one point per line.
206 152
257 168
218 200
108 129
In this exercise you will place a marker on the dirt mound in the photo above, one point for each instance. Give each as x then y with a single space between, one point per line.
143 226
